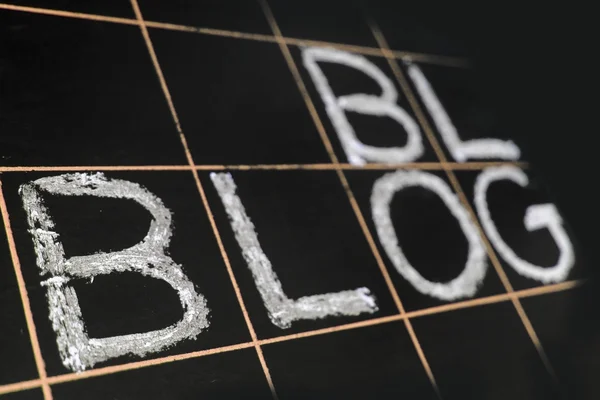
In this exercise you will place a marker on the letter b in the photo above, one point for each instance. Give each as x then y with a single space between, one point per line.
77 350
359 153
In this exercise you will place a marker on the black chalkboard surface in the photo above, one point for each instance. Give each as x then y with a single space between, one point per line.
274 200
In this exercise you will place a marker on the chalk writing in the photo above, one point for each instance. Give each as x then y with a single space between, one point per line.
537 216
283 310
385 105
470 278
461 150
77 350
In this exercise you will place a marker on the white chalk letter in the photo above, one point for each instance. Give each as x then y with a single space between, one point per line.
470 278
538 216
383 106
77 350
460 150
282 310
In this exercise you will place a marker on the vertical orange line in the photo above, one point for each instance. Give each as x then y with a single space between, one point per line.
190 160
456 185
35 344
361 220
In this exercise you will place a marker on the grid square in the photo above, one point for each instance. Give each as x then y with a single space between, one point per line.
332 21
118 304
429 236
252 115
376 362
507 203
231 375
371 130
32 394
567 324
15 349
114 8
80 92
237 15
485 354
421 27
468 105
308 231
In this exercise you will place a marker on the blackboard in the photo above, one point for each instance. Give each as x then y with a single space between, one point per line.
306 170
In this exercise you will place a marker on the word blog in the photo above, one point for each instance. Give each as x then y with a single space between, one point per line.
150 256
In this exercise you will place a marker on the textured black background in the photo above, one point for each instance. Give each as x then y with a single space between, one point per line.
63 102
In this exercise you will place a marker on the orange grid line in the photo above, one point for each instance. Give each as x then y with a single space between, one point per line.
482 301
245 167
458 189
234 283
113 369
68 14
20 386
33 339
419 57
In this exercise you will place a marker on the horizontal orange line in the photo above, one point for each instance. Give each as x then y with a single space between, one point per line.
417 57
69 14
53 380
244 167
537 291
20 386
